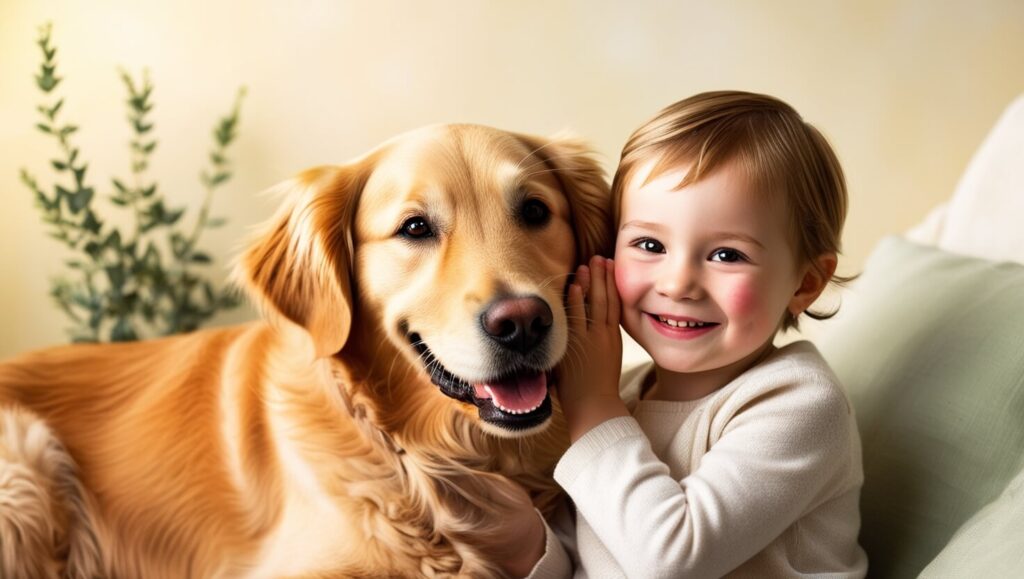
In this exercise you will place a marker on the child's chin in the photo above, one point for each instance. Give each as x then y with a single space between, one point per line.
673 362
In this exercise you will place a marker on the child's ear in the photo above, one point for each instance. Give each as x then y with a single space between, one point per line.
817 273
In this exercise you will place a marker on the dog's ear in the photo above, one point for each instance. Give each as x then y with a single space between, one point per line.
572 162
300 267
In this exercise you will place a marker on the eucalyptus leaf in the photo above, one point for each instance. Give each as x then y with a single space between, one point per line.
80 174
172 217
113 241
91 223
81 300
123 331
94 250
79 200
47 82
219 178
115 274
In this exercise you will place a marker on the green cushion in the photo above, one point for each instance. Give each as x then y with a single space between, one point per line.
990 544
930 346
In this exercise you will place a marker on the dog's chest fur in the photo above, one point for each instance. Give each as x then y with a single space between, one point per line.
343 522
313 535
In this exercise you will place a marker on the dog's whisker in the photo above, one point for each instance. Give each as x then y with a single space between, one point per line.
532 153
377 352
541 161
552 278
391 370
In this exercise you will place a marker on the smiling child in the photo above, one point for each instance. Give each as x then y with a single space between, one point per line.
727 455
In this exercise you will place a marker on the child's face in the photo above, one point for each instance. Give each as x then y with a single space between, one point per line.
715 253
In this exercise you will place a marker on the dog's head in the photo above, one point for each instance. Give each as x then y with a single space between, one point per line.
453 245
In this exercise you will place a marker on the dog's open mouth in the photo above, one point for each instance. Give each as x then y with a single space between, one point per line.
515 401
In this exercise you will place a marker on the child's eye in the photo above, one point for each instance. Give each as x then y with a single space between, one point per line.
727 255
649 245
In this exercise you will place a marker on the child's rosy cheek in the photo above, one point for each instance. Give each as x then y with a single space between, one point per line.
627 281
743 299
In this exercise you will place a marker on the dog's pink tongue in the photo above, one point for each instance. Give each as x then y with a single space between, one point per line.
518 394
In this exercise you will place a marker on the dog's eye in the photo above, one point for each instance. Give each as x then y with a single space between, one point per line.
535 213
416 228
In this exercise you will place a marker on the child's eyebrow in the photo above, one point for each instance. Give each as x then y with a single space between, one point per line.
732 235
643 225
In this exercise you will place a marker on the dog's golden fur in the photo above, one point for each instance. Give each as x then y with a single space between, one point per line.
314 443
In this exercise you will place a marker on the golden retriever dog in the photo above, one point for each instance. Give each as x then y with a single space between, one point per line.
375 423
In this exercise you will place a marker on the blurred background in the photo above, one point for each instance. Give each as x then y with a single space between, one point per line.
904 89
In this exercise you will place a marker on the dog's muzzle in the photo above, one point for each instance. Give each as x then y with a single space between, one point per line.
518 398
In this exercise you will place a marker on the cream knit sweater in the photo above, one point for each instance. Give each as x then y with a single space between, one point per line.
760 478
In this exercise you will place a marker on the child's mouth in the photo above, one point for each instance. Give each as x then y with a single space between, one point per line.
682 323
679 327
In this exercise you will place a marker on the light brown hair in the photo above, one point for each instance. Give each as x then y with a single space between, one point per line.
780 153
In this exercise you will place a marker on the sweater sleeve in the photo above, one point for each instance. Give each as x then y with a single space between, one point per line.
556 562
776 457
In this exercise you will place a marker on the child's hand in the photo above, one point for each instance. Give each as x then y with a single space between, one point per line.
589 386
521 540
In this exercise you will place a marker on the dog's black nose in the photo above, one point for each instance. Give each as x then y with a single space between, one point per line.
517 323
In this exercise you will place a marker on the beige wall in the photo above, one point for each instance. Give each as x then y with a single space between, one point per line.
905 90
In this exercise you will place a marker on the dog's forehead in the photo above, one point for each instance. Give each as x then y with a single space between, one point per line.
441 169
450 156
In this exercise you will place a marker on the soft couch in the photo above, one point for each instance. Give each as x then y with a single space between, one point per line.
929 342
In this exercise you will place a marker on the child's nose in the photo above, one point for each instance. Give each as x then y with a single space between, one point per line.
679 280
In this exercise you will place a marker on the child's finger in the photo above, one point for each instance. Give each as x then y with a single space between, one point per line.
597 297
614 304
583 279
574 311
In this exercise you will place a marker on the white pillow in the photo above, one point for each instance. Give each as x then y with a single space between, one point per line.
929 231
983 219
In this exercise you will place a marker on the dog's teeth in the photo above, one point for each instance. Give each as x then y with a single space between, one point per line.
515 412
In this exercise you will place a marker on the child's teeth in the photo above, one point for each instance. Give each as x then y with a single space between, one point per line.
681 324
